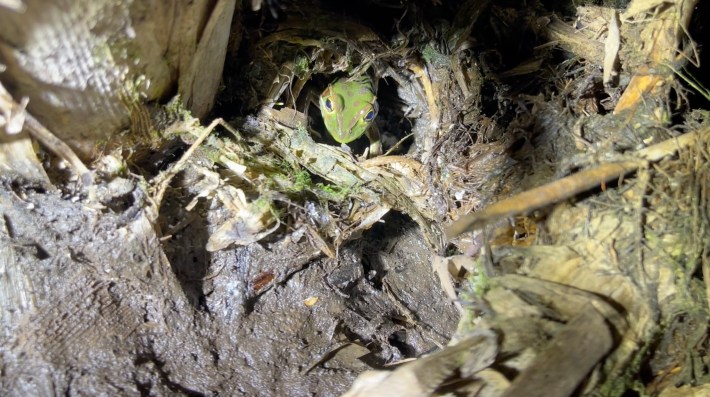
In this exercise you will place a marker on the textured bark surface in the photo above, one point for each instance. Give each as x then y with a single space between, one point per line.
258 258
89 67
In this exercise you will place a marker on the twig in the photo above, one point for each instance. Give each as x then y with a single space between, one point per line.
570 186
58 147
420 72
611 50
164 179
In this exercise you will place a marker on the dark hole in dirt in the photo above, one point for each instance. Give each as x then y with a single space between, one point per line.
21 188
162 158
39 252
398 340
517 145
699 30
119 204
489 104
373 275
393 119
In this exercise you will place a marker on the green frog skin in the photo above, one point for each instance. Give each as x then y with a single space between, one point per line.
349 107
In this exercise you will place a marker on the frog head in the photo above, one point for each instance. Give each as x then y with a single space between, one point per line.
348 107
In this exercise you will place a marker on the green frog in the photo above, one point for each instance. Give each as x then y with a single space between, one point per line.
349 107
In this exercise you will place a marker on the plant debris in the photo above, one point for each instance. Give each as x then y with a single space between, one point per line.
538 224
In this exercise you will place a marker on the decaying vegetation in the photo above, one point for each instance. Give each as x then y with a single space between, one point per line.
538 224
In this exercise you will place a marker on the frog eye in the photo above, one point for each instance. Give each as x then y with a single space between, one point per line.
369 116
328 104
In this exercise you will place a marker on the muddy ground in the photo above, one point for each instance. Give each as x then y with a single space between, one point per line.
110 289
